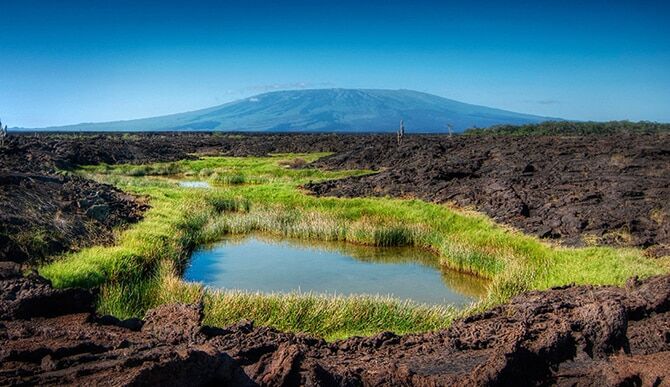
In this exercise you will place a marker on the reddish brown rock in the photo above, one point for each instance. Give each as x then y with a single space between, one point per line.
174 323
581 335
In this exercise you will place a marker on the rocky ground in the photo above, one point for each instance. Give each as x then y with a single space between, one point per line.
607 190
570 336
598 189
578 190
44 211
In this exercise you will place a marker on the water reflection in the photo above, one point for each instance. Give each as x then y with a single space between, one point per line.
268 264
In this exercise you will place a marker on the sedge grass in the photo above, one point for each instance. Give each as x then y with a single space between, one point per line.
269 200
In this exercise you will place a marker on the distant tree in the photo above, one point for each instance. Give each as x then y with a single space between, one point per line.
401 132
3 134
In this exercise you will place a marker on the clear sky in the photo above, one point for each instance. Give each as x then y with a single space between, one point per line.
64 62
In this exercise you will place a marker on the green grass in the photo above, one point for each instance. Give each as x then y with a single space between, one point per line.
331 317
138 271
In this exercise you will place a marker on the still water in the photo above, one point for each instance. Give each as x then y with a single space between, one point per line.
194 184
266 264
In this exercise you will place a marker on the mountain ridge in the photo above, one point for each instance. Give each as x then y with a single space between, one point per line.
324 110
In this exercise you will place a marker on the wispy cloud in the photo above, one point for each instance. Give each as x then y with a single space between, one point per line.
543 101
292 85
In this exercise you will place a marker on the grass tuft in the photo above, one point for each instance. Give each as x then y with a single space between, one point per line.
393 236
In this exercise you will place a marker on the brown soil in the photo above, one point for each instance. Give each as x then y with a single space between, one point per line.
570 336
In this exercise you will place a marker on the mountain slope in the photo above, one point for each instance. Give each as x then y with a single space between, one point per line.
343 110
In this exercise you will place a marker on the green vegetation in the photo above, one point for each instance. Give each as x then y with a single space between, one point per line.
573 128
332 317
139 272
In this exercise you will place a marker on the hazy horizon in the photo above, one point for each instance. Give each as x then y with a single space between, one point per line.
74 61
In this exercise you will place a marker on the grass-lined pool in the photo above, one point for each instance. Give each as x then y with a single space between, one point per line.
265 264
194 184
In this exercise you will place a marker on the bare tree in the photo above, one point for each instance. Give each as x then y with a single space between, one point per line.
401 132
3 134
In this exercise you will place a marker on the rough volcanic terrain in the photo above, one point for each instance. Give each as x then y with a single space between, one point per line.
570 336
44 211
611 190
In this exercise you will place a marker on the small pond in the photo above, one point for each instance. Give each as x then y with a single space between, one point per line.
266 264
194 184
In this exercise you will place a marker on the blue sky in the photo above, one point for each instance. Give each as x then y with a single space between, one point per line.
66 62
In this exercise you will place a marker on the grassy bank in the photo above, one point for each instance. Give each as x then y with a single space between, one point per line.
263 195
331 317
